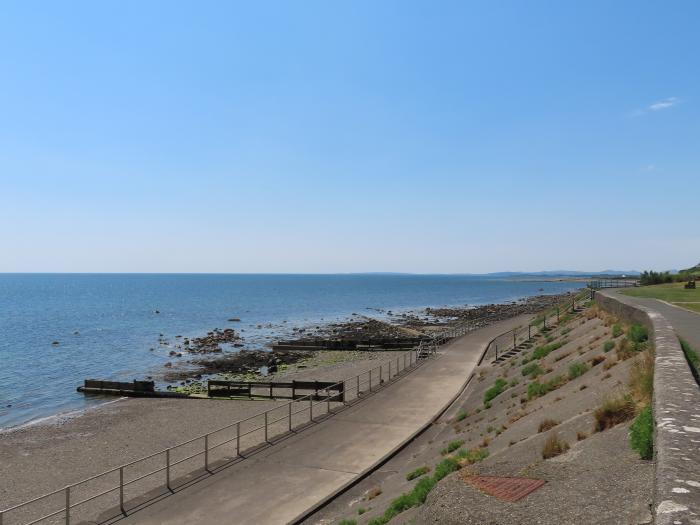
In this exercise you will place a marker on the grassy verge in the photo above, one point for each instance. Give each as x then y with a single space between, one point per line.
693 359
673 293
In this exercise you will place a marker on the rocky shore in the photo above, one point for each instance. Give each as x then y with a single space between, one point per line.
219 356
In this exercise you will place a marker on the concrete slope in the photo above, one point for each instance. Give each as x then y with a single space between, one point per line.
281 483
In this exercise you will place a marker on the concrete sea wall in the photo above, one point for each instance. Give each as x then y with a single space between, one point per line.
676 409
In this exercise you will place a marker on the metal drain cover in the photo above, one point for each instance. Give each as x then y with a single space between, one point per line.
507 489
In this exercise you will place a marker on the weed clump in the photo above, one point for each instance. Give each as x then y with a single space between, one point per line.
577 369
612 411
468 457
452 446
547 424
498 387
537 389
642 434
543 351
642 378
532 369
638 334
608 345
461 416
617 330
554 446
417 473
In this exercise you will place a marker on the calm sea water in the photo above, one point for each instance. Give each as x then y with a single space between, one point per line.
106 324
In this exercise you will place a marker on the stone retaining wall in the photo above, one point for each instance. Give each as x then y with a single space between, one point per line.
676 410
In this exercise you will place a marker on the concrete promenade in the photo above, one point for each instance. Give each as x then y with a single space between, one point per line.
279 484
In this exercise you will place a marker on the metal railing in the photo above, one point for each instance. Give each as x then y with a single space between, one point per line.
511 339
266 425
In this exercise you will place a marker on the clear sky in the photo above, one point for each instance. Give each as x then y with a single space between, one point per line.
327 136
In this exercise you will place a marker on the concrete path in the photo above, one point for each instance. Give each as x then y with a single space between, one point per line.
279 484
685 323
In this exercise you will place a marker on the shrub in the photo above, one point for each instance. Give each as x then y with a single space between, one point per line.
638 334
651 277
642 434
612 411
361 511
577 369
514 382
417 473
693 359
554 446
581 435
452 446
608 345
547 424
498 387
532 370
544 351
617 330
461 416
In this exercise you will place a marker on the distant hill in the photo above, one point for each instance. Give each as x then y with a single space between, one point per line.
563 273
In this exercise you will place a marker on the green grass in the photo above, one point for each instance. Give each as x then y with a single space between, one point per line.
417 473
642 434
543 351
609 345
673 293
693 359
347 522
532 369
461 416
498 387
452 446
537 389
577 369
361 511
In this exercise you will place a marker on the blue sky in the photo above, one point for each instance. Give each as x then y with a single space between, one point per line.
349 136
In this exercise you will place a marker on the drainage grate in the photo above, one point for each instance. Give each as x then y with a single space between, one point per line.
507 489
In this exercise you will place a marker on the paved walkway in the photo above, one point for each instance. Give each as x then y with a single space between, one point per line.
685 323
281 483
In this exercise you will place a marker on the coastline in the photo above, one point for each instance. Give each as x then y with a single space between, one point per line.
39 456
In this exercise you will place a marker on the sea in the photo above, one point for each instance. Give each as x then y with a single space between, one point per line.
58 329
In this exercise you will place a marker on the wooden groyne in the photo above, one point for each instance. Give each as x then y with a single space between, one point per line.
118 388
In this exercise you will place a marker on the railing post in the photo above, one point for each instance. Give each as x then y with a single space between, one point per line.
496 345
238 439
358 386
68 505
167 468
311 408
389 377
290 415
206 452
370 379
328 401
266 427
528 331
121 490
